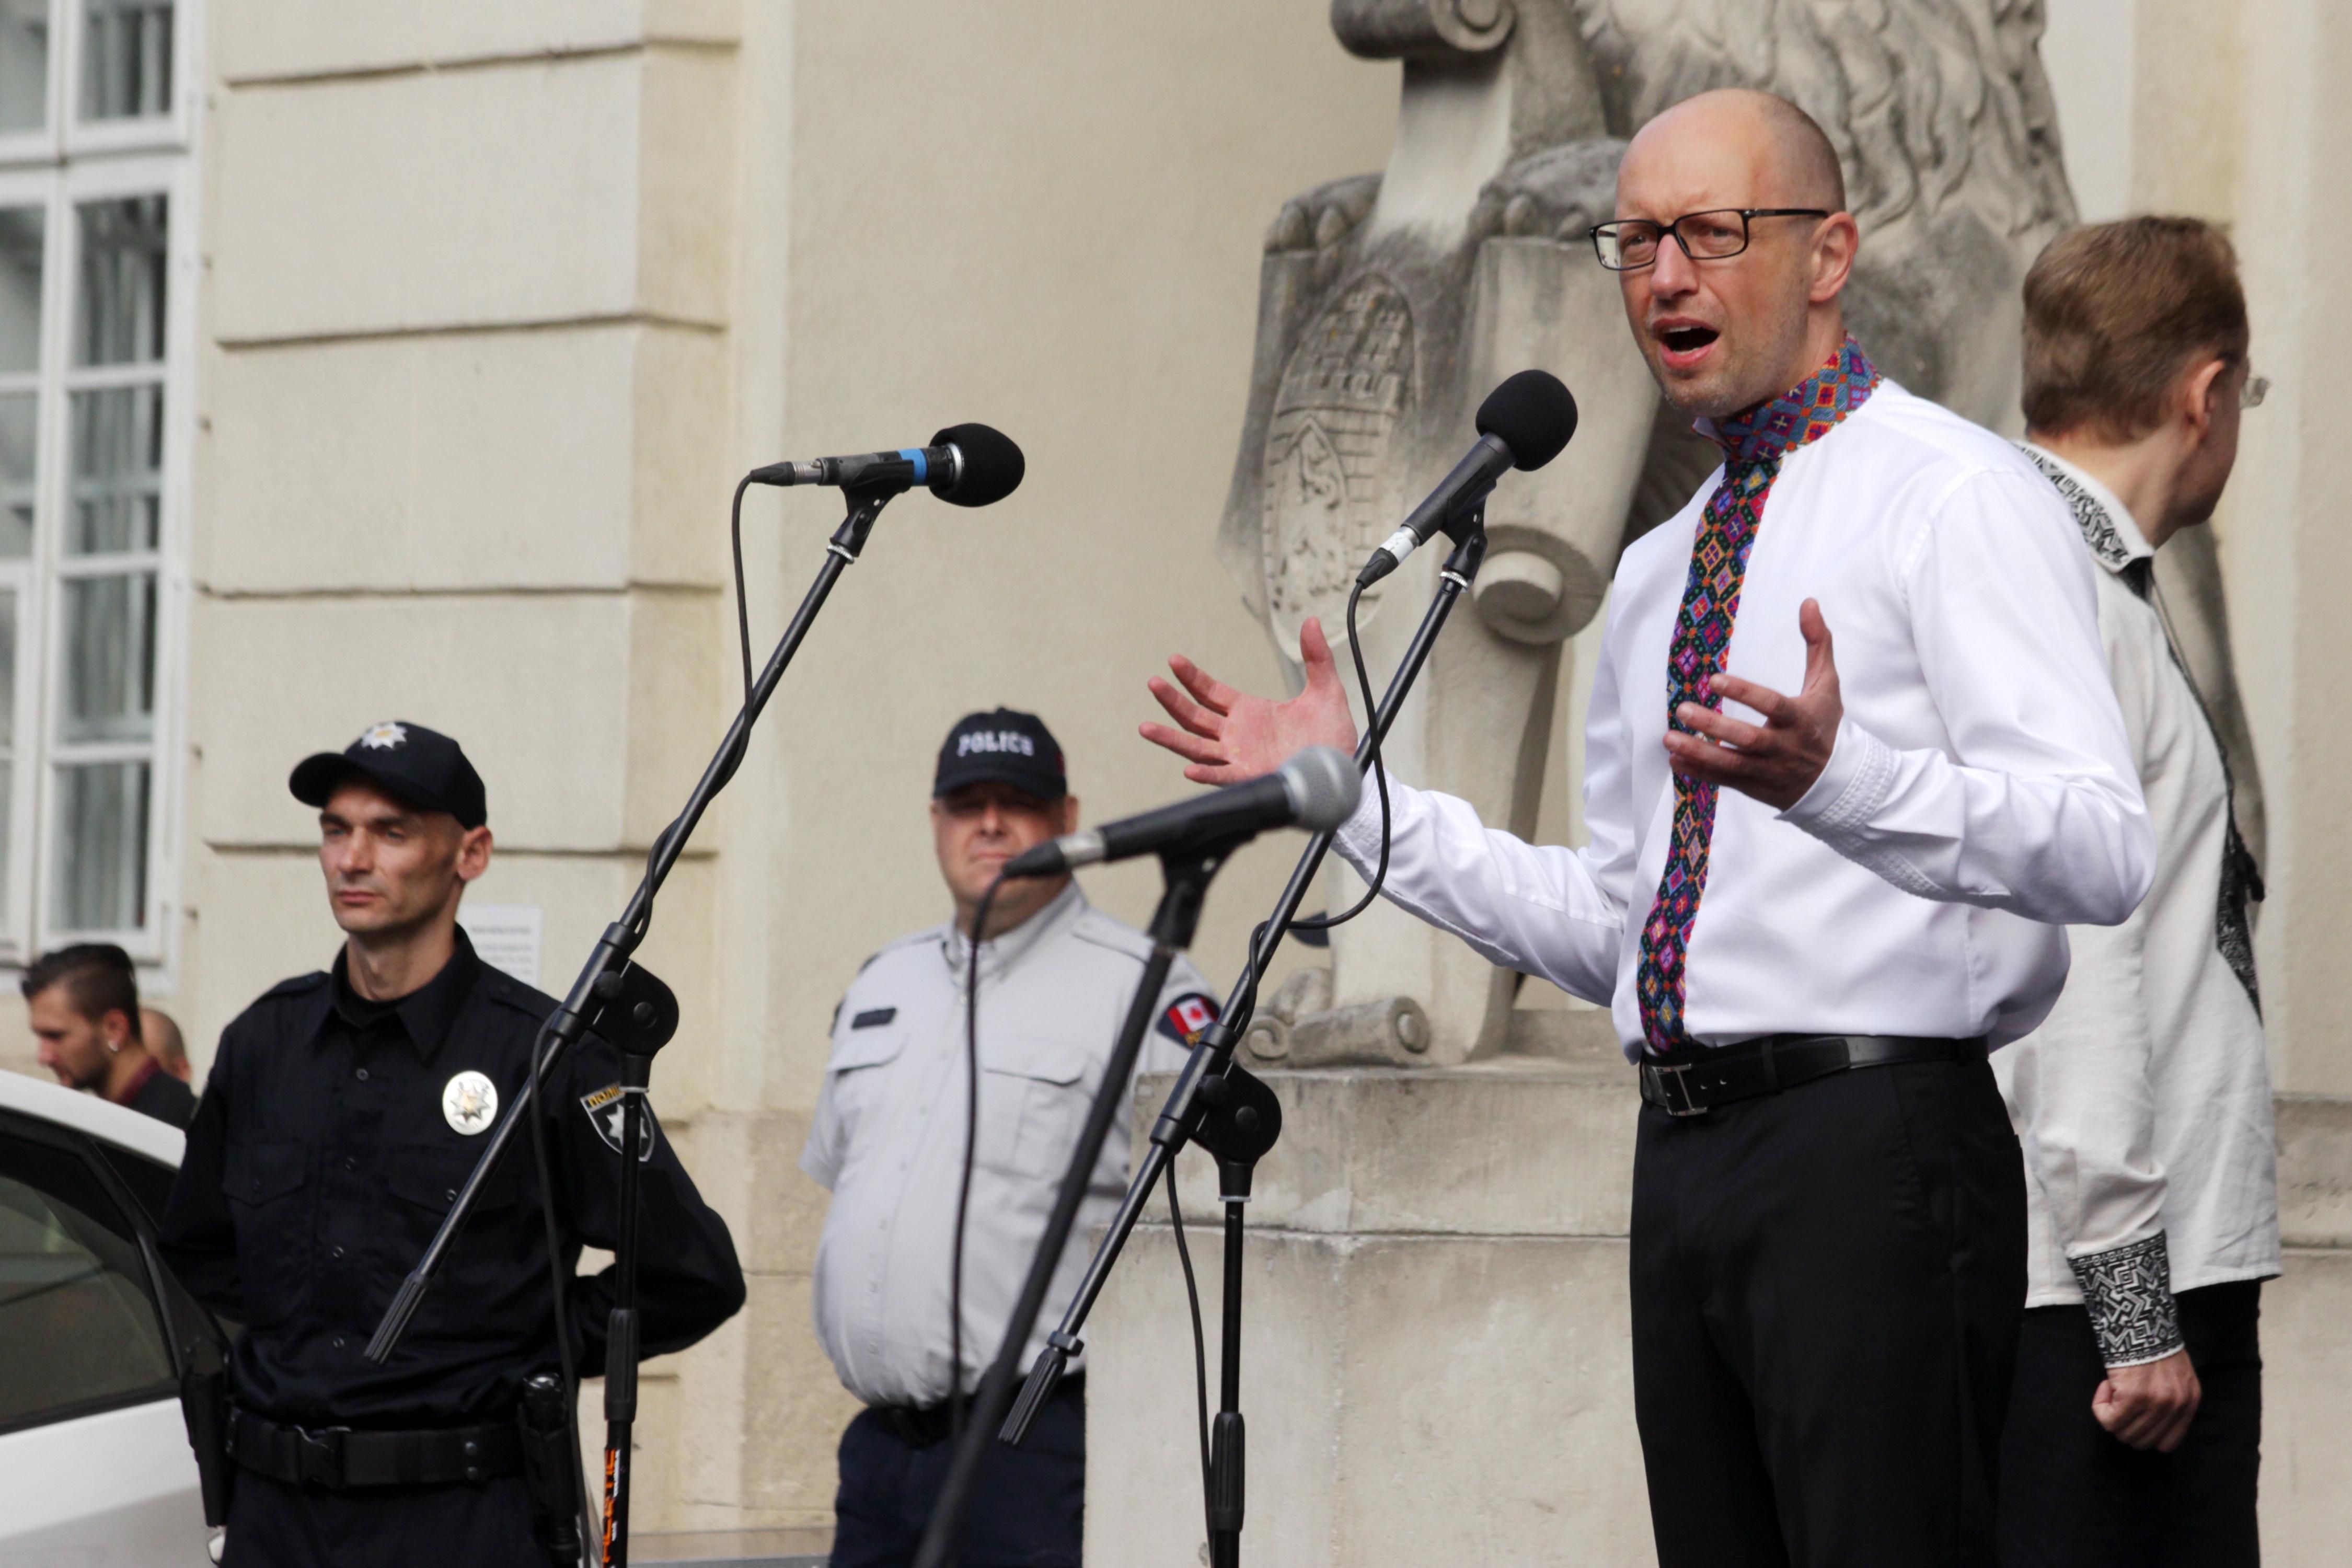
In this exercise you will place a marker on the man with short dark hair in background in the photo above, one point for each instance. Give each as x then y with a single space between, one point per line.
84 1005
2144 1101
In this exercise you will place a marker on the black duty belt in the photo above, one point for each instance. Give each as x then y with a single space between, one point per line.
1725 1075
925 1426
340 1457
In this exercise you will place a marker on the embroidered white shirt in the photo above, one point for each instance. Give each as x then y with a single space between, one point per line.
2144 1101
1982 794
889 1136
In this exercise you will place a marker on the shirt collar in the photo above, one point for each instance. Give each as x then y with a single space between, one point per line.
425 1013
1003 951
1804 414
2108 525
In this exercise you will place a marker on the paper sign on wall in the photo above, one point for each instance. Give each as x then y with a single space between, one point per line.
506 935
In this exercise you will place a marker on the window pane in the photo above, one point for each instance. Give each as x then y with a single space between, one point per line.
77 1325
118 463
18 410
101 848
126 59
24 64
118 316
110 653
21 229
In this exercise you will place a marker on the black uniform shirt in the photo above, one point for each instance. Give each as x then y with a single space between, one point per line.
162 1097
321 1160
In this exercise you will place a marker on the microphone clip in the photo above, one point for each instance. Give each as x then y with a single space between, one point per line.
1462 524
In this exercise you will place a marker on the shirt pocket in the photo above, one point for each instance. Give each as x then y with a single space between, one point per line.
266 1186
1033 1104
856 1073
496 1246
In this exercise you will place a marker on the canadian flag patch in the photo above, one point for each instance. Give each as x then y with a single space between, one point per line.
1187 1016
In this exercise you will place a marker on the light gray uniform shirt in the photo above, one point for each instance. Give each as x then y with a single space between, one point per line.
889 1136
2144 1101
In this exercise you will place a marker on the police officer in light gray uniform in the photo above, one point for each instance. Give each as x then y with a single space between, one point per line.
1056 977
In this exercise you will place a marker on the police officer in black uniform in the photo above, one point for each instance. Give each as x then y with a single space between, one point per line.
344 1112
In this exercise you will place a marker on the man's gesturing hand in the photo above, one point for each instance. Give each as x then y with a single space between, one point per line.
1778 763
1229 736
2150 1407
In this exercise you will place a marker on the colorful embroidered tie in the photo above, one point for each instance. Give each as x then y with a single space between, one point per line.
1754 444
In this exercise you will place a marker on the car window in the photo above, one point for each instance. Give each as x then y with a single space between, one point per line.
150 1181
78 1329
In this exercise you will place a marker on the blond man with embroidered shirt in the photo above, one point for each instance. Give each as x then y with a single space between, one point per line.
2144 1101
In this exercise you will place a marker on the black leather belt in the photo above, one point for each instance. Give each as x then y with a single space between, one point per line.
339 1456
1725 1075
924 1426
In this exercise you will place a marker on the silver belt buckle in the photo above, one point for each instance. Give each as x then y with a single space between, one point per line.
1669 1077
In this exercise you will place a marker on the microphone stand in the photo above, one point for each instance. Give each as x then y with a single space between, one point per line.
626 1004
1229 1111
1186 872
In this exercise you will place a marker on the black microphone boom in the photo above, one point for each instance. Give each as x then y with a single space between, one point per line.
1315 790
1523 423
968 465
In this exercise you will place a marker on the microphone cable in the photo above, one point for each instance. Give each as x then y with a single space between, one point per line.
970 1144
586 1521
1379 783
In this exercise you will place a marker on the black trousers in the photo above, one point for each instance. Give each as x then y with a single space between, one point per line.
1028 1504
1825 1290
2074 1497
274 1525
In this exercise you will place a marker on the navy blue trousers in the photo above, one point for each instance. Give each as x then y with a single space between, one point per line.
274 1525
1028 1504
2072 1497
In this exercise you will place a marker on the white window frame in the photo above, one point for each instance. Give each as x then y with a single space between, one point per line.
58 168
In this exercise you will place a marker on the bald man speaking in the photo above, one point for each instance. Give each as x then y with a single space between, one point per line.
1824 880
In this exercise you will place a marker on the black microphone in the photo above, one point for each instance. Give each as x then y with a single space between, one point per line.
1315 790
1523 423
969 465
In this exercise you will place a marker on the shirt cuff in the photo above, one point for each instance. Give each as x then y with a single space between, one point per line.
1358 839
1856 783
2128 1290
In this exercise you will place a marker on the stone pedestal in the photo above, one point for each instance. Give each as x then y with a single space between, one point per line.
1436 1365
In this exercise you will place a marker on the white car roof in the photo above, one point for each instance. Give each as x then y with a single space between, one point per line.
66 1106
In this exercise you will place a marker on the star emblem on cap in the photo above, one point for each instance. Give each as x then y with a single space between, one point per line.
386 737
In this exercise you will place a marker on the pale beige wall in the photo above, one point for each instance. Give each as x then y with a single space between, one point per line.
1046 217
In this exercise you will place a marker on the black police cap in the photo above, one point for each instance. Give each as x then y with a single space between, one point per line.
1002 747
407 761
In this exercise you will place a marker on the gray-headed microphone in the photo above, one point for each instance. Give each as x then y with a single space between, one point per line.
1314 790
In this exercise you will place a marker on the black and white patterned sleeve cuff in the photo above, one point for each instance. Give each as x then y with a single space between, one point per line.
2128 1293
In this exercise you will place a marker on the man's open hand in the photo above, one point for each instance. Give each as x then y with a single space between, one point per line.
2150 1407
1228 736
1779 762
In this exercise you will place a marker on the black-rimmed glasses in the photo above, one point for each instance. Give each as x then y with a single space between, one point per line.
1628 245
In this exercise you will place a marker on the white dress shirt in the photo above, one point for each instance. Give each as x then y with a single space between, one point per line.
888 1135
1979 797
2144 1101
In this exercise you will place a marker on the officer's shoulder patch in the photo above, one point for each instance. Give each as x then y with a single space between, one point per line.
300 986
1183 1019
606 1107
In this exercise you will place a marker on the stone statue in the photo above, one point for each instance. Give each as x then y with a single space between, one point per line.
1390 303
